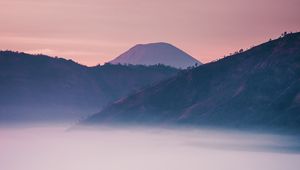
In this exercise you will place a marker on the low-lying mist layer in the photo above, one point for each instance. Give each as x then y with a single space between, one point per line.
136 148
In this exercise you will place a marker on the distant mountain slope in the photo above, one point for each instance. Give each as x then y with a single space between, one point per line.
156 53
256 88
42 87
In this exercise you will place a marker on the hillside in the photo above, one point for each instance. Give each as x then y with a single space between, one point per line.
41 87
257 88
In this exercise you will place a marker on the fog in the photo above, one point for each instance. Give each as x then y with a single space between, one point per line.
139 148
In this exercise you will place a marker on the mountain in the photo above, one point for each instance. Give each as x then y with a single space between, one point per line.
156 53
257 88
39 87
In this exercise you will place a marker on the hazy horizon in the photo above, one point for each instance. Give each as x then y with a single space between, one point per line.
157 110
94 32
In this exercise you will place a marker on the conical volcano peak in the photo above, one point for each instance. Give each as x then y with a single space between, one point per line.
156 53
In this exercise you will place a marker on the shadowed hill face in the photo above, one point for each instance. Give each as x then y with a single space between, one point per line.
156 53
257 88
41 87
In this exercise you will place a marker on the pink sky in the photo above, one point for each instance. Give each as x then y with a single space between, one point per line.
96 31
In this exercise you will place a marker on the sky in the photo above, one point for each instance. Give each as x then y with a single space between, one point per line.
93 32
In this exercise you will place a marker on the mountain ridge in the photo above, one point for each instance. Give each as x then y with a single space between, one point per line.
44 87
258 88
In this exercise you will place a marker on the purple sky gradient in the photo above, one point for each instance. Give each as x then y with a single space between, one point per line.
95 31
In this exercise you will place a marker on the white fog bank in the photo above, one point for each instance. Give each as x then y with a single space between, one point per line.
54 148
